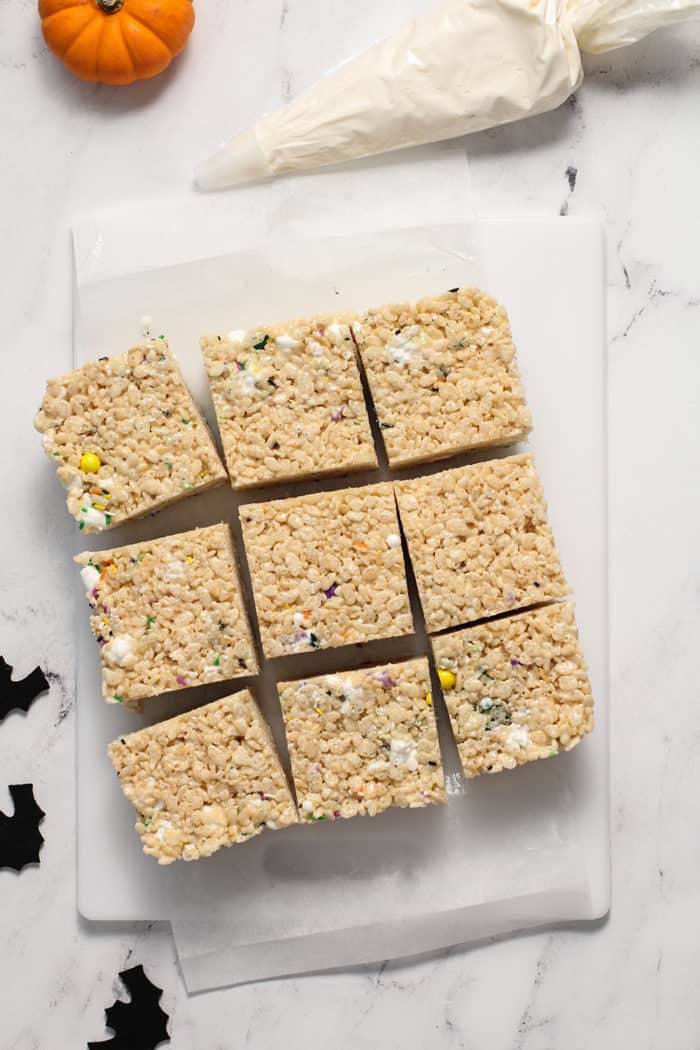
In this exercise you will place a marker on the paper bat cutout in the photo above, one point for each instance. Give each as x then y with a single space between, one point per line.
139 1024
19 696
20 838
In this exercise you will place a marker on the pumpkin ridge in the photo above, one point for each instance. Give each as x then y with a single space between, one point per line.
144 25
125 39
77 36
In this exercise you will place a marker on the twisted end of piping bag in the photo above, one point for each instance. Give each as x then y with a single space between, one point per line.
239 161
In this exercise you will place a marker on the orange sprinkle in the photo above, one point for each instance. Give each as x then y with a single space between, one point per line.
359 546
96 492
306 613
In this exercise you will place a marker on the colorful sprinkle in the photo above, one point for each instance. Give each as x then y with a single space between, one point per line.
386 426
319 711
119 699
429 699
359 546
313 641
90 463
448 680
149 621
217 661
262 344
515 663
385 680
338 414
330 593
180 680
185 421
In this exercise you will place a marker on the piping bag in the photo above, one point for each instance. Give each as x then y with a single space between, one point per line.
461 67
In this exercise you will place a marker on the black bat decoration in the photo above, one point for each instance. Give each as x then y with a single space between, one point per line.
139 1024
19 696
20 838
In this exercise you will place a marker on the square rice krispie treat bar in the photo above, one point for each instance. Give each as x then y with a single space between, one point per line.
362 741
327 569
516 688
443 376
479 541
126 437
206 779
289 401
167 614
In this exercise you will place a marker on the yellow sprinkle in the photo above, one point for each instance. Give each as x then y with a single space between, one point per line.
113 567
107 495
448 680
99 506
287 605
90 463
202 474
190 558
429 699
318 710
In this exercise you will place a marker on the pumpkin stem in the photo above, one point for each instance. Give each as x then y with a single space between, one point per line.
110 7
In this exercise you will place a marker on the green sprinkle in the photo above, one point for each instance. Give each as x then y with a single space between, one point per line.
262 344
119 699
187 485
386 426
161 337
217 661
146 823
243 364
185 421
57 453
81 526
553 752
169 465
313 641
108 518
149 621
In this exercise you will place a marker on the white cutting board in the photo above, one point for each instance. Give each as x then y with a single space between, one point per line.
550 275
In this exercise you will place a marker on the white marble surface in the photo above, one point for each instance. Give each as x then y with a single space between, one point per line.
630 139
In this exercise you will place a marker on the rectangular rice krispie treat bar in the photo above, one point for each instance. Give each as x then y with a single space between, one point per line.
289 401
443 376
479 541
327 569
516 688
167 614
362 741
206 779
126 437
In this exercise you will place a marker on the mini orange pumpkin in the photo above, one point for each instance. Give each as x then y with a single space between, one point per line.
116 41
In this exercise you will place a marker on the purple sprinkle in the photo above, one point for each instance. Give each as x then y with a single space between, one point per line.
338 414
94 592
510 599
515 663
331 590
299 635
321 331
336 813
180 680
101 641
239 366
264 797
133 561
105 610
385 680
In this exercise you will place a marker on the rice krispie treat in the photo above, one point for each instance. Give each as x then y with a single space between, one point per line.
516 688
443 376
126 437
206 779
289 401
167 614
479 541
327 569
362 741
